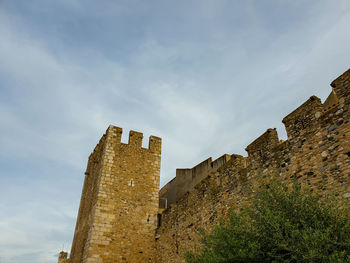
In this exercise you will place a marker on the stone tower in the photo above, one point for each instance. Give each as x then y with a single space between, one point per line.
119 204
62 258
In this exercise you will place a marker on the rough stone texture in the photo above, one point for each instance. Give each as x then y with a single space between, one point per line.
87 202
119 205
317 154
187 179
62 258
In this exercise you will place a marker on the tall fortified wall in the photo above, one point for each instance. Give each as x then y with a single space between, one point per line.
117 219
119 204
317 154
186 179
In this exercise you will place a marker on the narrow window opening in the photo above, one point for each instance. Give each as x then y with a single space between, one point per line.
159 217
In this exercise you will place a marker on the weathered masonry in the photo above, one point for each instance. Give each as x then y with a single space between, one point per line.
317 154
187 179
119 203
117 220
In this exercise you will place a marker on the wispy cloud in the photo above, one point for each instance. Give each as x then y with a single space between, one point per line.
206 76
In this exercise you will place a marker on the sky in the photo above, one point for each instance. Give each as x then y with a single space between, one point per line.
207 76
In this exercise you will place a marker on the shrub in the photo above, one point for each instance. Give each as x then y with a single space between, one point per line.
282 224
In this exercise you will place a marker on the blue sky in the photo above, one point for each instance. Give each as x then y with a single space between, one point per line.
208 76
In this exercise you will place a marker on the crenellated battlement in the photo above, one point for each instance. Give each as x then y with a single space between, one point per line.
62 258
331 102
301 124
119 218
341 85
261 148
316 154
135 139
118 176
303 119
187 178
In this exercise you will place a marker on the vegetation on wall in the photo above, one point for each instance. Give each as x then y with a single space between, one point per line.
282 224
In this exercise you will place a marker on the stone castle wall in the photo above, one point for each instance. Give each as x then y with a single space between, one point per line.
87 202
119 207
186 179
119 204
317 154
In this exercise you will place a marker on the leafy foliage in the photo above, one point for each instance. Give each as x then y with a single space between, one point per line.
281 225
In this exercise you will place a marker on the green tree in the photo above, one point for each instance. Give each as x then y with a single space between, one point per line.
282 224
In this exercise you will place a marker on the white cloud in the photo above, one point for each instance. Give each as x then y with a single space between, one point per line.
206 88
